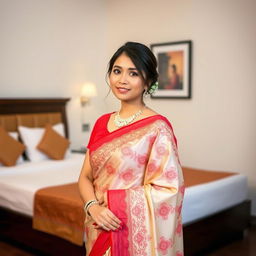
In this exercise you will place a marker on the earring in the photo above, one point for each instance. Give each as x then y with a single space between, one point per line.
145 94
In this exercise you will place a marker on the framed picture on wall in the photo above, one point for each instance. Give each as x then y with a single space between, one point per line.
174 67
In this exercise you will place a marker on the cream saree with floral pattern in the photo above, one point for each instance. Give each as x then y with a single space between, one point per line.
137 175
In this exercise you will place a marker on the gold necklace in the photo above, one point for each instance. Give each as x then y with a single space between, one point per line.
120 122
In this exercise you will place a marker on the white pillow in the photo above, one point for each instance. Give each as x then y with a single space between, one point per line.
15 135
31 138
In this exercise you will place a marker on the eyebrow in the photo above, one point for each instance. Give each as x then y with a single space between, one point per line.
116 66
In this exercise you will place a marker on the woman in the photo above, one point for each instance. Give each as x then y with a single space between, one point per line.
174 78
131 180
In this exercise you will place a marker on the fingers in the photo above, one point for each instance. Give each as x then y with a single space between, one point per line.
105 219
113 218
107 227
113 221
103 226
108 224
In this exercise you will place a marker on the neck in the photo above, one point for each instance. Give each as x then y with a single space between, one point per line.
128 109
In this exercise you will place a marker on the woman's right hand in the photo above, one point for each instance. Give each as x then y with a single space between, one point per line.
104 218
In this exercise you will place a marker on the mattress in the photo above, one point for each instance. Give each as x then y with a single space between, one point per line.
209 198
19 184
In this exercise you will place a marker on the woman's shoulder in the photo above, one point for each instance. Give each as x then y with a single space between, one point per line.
152 113
162 121
164 127
149 112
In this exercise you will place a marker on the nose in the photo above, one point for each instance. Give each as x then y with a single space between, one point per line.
123 78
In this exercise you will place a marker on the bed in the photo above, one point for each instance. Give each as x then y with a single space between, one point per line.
205 225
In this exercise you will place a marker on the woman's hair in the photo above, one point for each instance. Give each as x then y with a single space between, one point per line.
143 59
174 67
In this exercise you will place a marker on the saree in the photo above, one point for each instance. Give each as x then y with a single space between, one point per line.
138 176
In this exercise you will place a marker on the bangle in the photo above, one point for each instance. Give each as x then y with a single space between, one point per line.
89 204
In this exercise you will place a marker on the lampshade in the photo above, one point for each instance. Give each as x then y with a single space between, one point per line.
88 91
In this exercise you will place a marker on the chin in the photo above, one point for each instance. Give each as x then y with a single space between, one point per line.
120 96
126 97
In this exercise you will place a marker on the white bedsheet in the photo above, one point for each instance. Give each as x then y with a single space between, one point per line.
18 185
208 198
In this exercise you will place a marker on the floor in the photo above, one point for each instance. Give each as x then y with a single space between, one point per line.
245 247
8 250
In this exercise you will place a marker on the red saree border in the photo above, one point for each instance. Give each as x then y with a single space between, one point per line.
102 244
128 128
119 238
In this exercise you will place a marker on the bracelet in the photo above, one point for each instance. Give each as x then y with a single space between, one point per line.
89 204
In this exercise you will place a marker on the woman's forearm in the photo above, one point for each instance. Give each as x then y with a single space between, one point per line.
86 189
102 216
85 184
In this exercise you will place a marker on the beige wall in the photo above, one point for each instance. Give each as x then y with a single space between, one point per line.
216 128
48 48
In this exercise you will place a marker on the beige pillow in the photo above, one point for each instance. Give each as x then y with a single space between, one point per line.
53 144
10 149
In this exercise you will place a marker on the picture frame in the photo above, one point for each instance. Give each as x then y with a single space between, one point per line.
174 68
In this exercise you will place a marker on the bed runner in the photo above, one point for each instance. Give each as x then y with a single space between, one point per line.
194 177
59 211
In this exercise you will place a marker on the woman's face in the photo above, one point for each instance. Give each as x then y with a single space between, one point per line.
125 80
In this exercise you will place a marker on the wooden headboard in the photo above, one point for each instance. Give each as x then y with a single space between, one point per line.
32 112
